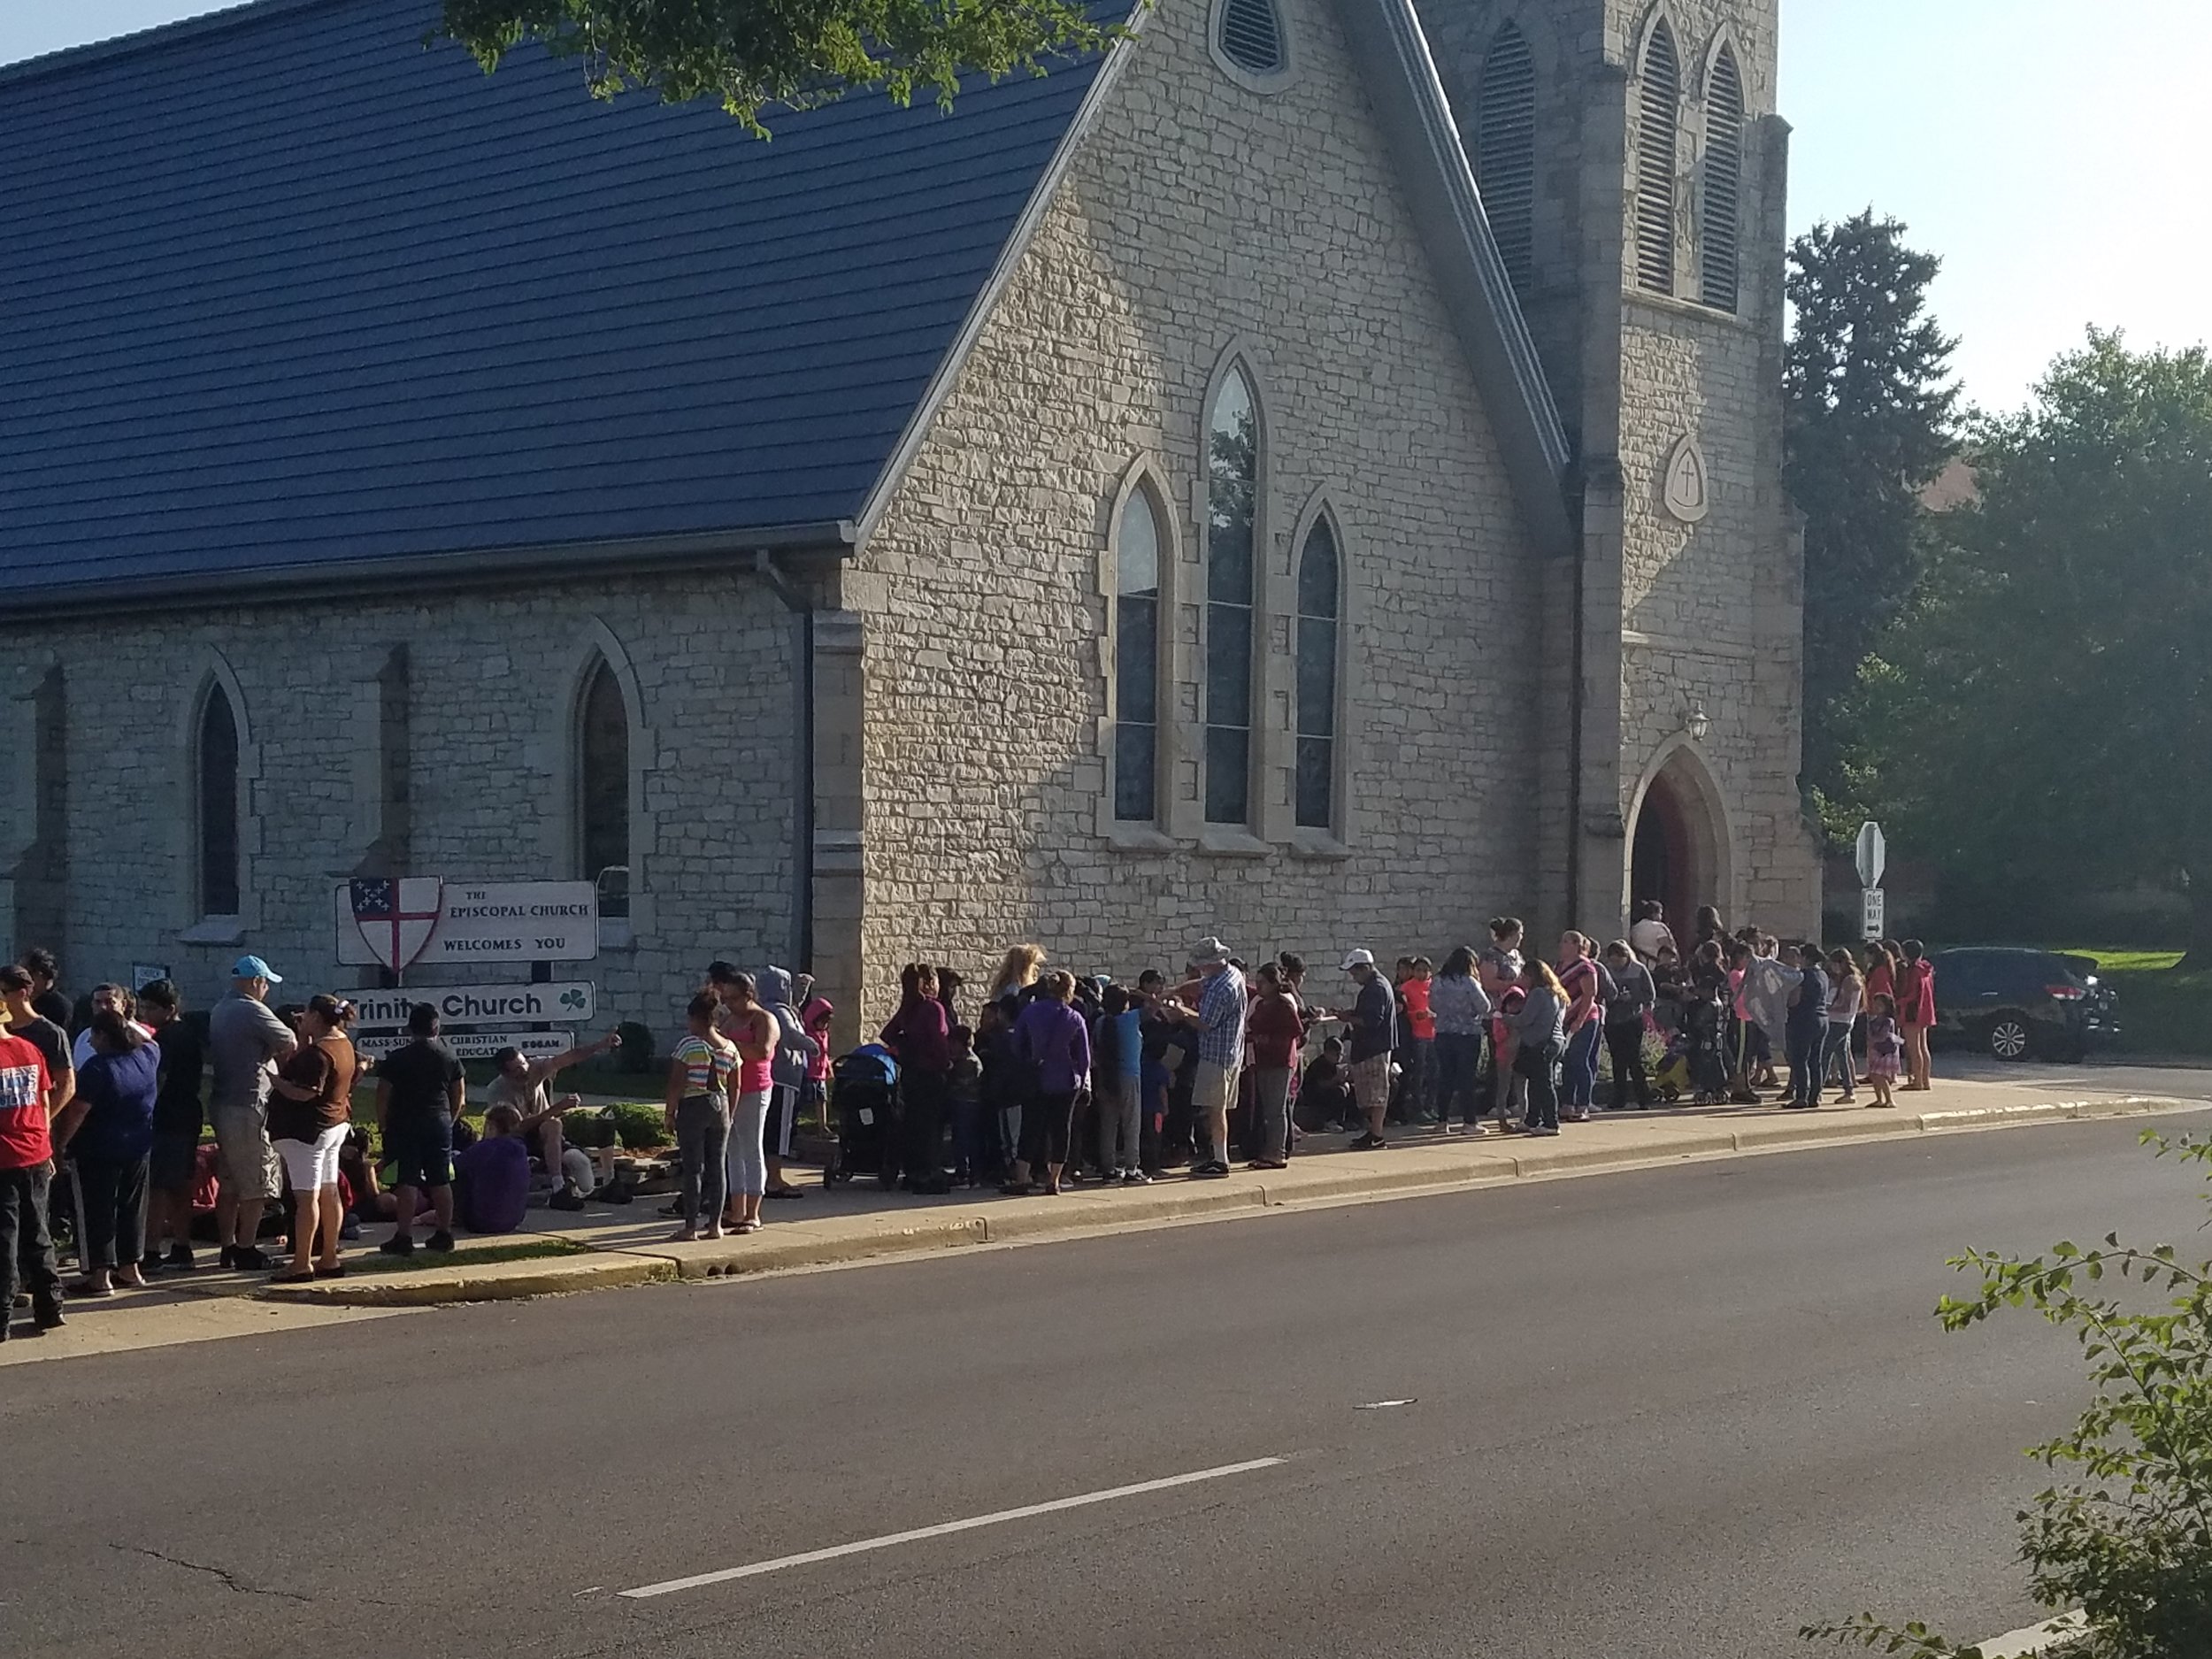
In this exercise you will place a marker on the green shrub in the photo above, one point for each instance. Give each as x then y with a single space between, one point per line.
2130 1539
634 1128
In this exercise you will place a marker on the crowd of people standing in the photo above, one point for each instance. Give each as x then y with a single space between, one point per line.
1076 1077
1062 1078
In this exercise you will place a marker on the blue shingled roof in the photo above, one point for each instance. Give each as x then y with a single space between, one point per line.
289 289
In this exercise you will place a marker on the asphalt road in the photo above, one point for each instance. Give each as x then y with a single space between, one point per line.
2114 1074
1663 1415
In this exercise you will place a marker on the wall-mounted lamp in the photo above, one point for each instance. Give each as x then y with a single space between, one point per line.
1698 723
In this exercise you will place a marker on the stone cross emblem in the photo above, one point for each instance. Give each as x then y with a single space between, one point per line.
1684 490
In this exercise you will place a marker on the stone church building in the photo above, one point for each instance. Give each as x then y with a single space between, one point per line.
1311 475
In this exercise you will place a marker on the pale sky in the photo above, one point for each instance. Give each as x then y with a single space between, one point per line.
2050 151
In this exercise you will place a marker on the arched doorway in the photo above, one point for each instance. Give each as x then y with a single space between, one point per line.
1679 848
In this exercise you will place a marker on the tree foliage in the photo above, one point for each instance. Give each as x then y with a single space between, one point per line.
2043 713
1868 407
756 55
2128 1538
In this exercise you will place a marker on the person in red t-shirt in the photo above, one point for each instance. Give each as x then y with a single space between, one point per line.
26 1166
1916 1011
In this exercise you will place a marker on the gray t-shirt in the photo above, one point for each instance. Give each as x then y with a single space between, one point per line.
243 1036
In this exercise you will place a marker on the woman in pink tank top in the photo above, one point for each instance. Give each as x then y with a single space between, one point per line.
753 1029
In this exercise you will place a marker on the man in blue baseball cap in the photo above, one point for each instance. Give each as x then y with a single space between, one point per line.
245 1040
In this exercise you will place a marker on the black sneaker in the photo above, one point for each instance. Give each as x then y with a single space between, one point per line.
1370 1142
150 1264
398 1245
46 1310
249 1258
179 1257
615 1193
567 1198
441 1241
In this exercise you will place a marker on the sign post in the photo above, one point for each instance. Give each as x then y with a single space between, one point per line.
1873 860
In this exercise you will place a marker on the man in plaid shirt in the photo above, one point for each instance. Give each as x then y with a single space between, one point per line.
1219 1017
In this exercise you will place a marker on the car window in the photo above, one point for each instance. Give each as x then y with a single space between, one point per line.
1961 972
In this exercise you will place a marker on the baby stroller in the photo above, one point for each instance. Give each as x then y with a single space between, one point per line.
864 1093
1703 1037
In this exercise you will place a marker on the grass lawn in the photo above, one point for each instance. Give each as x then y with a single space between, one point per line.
2162 1009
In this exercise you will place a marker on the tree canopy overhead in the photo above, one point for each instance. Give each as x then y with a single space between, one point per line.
2043 715
1867 407
753 56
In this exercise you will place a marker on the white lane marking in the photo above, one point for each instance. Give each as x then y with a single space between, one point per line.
1385 1405
945 1528
2025 1644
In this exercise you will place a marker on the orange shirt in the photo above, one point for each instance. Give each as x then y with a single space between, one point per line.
1414 993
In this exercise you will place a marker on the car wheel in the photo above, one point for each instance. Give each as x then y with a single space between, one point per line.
2009 1037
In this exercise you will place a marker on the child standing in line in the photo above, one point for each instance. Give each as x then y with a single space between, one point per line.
698 1114
964 1093
1883 1045
1420 1080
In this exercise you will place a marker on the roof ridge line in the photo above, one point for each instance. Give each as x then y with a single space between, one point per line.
1392 51
152 38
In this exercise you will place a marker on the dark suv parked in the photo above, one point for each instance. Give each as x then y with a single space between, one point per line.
2014 1003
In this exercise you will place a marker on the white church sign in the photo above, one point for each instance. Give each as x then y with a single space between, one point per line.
399 922
568 1001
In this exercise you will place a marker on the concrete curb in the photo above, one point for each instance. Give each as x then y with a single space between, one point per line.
492 1281
1486 1161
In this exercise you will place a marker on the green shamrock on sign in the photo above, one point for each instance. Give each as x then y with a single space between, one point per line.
571 998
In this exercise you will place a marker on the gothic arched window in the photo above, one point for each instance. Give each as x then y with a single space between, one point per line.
216 786
1137 559
1724 182
1657 142
1505 149
1319 609
1233 475
602 790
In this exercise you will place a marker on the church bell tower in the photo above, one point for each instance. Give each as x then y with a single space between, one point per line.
1633 173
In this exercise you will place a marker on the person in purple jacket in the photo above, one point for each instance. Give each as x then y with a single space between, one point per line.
1051 1037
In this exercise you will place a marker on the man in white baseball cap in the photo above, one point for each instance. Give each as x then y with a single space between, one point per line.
245 1041
1374 1026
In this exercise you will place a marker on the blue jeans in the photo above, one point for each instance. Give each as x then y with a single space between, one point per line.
1807 1045
1835 1058
1538 1067
1580 1082
1459 1076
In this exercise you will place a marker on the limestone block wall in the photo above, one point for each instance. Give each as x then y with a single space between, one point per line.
1200 220
488 685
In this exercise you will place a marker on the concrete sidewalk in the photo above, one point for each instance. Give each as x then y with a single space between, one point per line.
607 1246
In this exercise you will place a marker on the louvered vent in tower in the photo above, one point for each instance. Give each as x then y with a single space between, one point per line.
1251 37
1505 151
1723 180
1656 146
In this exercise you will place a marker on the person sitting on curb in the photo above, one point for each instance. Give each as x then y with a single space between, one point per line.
522 1083
491 1179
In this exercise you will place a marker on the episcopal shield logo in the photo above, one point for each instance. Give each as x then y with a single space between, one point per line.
397 915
